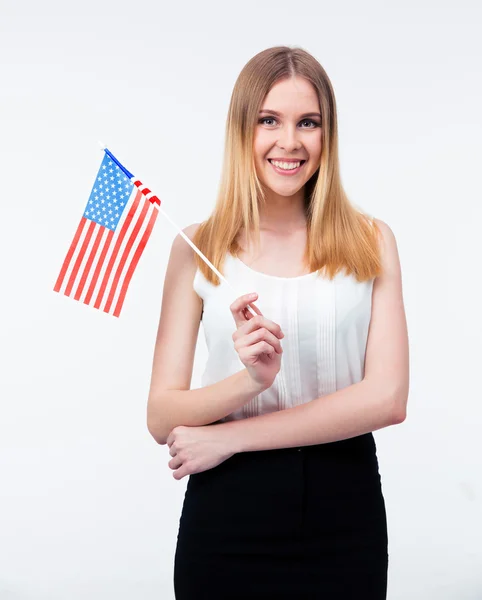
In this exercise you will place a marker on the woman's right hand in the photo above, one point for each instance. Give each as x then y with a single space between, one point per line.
257 342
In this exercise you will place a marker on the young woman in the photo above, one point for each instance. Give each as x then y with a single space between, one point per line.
284 495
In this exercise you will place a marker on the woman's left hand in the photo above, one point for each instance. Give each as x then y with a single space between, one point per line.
196 449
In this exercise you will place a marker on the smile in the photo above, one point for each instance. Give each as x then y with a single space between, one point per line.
287 168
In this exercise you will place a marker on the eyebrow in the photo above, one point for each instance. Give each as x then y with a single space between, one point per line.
277 114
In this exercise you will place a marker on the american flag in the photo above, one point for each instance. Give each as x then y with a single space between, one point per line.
110 238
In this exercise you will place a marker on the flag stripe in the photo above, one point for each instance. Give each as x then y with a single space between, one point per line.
119 251
66 263
125 254
90 260
118 243
131 256
134 262
98 268
79 258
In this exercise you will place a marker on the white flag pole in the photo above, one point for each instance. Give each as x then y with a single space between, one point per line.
195 248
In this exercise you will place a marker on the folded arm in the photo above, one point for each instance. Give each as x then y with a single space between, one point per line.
379 400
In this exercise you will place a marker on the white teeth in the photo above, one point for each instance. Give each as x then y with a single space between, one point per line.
284 165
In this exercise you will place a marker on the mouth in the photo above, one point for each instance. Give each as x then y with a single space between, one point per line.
286 167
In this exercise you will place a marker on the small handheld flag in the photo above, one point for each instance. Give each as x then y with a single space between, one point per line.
110 238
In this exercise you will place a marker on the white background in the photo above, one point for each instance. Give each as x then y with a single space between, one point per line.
89 507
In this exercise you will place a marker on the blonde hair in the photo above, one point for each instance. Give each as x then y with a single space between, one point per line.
338 234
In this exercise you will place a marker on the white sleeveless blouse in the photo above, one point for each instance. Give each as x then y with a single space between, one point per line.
325 325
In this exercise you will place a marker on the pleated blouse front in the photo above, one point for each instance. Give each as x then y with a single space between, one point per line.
325 323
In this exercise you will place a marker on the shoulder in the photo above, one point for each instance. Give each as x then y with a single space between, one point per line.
182 255
190 230
179 244
388 246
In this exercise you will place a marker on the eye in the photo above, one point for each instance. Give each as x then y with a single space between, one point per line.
314 123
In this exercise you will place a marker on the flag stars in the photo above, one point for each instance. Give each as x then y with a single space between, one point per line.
111 194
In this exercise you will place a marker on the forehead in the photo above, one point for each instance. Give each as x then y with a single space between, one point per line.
291 96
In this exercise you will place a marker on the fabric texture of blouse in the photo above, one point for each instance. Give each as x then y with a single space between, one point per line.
325 323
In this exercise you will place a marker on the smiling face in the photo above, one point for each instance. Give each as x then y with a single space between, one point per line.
292 135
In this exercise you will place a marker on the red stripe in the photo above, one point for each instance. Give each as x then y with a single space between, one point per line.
90 260
98 268
70 252
155 200
134 261
125 254
80 257
119 240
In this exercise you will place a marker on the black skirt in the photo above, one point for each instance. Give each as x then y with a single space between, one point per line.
297 523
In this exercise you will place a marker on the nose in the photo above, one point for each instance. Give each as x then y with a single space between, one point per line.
288 139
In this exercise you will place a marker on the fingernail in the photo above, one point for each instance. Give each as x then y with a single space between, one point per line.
252 295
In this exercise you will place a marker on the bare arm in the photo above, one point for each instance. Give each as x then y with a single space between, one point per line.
171 402
379 400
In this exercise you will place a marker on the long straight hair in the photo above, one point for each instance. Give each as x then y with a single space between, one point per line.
339 236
